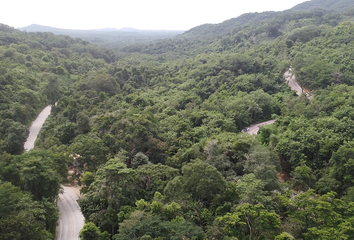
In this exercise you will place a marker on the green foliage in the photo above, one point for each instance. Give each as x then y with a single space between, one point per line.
13 134
155 178
140 159
302 178
320 216
90 232
341 165
39 179
100 82
114 186
253 222
86 180
284 236
23 218
340 5
265 165
91 150
52 89
142 225
316 75
167 118
202 181
37 172
251 190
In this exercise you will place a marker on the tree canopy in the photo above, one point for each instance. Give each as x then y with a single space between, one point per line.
156 132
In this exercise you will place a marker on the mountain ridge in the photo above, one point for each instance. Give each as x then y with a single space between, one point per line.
108 37
42 28
328 5
225 27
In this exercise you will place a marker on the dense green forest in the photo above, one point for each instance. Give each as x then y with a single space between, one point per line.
36 69
157 128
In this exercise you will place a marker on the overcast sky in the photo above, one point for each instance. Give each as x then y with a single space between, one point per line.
140 14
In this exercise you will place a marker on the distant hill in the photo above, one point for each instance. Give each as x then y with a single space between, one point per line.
328 5
41 28
272 24
221 29
108 37
127 29
253 29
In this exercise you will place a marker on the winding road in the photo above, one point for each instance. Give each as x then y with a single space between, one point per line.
253 129
290 79
71 220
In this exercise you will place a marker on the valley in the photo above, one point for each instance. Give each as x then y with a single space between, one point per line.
204 134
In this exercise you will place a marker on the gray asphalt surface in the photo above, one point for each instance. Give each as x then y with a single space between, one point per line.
289 77
291 81
71 220
36 127
253 129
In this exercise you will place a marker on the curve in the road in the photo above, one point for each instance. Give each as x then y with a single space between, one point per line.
290 79
71 220
253 129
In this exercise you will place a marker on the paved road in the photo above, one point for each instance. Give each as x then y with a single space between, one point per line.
71 220
289 77
36 127
253 129
291 81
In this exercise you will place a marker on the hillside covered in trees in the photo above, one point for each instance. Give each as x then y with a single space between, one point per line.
156 129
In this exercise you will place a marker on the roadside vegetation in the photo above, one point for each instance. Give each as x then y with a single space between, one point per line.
158 131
